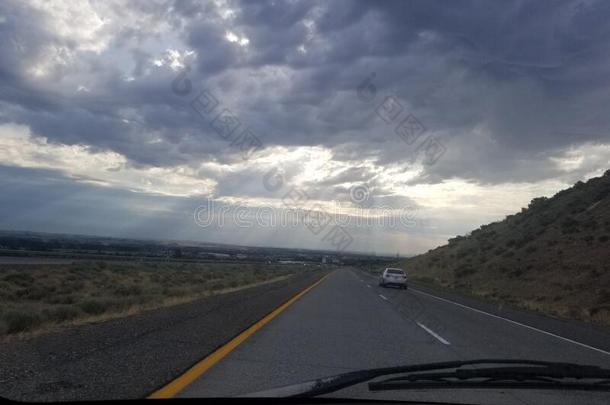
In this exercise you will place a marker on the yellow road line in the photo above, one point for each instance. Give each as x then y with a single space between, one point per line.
204 365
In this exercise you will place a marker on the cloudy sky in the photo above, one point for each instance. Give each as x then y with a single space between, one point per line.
211 120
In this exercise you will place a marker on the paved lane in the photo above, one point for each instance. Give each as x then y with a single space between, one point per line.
348 323
474 333
339 326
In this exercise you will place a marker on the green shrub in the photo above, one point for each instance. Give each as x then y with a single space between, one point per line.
20 321
524 240
6 294
176 292
38 293
590 224
515 273
531 249
127 290
61 299
21 279
217 285
569 225
93 307
464 270
62 313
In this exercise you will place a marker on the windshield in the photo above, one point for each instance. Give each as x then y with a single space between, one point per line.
219 198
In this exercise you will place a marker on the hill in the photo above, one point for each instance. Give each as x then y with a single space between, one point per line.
552 257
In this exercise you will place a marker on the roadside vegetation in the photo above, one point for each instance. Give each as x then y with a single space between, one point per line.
38 297
552 257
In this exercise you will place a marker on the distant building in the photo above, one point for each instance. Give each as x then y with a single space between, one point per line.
221 255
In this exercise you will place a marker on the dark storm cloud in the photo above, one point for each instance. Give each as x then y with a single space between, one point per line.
46 200
504 85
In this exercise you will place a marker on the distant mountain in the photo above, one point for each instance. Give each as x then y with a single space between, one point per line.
552 257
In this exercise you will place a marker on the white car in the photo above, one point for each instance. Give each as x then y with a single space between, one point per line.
392 276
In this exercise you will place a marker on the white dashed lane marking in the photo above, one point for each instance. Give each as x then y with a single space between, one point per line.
436 335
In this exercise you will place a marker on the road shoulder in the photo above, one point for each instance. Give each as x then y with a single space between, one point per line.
131 357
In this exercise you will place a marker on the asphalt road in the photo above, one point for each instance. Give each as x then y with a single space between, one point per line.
348 323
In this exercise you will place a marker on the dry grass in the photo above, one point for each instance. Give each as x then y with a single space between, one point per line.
40 298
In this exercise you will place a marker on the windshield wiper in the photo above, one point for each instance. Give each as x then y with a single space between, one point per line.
556 376
523 374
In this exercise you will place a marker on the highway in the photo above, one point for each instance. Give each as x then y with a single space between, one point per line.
347 322
313 325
